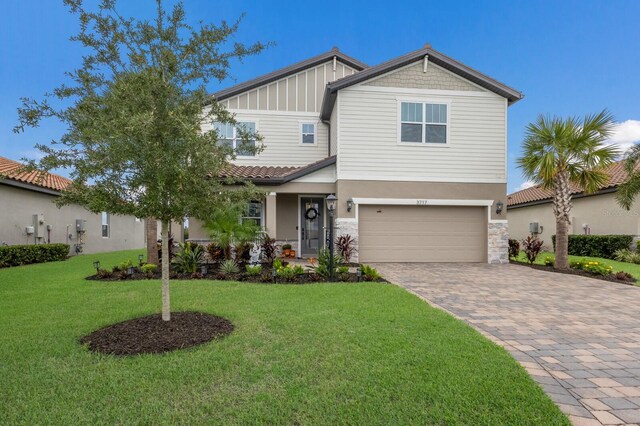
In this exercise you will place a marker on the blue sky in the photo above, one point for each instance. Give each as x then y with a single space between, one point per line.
567 57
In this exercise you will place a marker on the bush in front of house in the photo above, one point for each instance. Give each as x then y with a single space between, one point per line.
596 245
28 254
514 248
532 247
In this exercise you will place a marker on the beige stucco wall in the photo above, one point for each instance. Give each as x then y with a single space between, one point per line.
419 190
287 217
17 207
600 212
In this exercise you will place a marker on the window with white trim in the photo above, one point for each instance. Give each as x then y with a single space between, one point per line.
308 133
105 225
253 213
423 122
231 136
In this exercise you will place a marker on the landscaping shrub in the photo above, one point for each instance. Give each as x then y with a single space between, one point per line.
596 245
344 244
216 252
229 267
514 248
288 273
122 266
624 276
243 252
627 256
324 260
370 273
186 261
28 254
268 247
148 268
253 270
532 247
593 267
549 261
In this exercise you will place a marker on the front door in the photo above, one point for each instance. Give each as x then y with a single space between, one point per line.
312 221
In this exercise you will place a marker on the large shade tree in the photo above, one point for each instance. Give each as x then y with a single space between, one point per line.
134 143
560 153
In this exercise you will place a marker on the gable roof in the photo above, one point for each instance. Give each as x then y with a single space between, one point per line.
11 170
289 70
435 57
539 195
275 175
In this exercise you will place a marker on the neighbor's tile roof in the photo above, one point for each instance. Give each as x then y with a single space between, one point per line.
10 169
616 172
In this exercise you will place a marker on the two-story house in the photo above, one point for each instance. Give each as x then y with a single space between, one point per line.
415 149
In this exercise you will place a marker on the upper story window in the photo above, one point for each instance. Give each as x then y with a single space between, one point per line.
105 225
424 122
253 213
308 133
231 136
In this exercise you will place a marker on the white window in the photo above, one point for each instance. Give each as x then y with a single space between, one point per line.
423 122
231 136
105 225
253 213
308 133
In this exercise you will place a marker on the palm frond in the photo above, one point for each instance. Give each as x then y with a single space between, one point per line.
628 191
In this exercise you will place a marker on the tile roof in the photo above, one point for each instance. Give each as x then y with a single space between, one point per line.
616 172
275 174
10 169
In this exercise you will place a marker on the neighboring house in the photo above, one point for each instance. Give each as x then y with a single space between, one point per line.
596 213
28 215
414 149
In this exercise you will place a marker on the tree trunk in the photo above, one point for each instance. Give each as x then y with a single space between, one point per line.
166 306
562 210
152 240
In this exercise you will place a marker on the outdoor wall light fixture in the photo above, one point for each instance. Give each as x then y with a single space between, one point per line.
96 265
499 207
349 204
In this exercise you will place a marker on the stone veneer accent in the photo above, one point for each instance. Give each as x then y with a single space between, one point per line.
412 77
498 242
348 226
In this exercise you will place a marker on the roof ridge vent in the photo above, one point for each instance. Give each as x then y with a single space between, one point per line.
335 49
427 45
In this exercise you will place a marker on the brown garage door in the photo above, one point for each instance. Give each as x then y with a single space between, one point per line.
422 234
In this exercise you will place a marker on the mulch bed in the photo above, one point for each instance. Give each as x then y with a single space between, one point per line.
151 335
610 278
263 278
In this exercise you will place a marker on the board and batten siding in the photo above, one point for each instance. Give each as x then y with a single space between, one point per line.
301 92
368 137
281 139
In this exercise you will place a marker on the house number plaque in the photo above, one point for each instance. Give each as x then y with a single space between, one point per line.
422 202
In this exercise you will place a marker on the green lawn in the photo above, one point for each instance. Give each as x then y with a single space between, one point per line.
630 268
301 354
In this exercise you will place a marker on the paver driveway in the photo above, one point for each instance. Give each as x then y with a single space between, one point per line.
579 338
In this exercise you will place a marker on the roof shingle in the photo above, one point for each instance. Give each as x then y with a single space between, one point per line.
616 172
10 169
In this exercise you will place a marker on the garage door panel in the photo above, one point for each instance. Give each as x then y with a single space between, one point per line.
422 234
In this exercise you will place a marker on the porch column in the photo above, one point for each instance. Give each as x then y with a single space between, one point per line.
270 214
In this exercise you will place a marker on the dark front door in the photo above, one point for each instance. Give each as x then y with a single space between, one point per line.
312 221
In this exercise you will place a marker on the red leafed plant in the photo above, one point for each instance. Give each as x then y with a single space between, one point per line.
532 247
344 244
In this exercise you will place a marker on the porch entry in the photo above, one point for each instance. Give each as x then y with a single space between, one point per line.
312 225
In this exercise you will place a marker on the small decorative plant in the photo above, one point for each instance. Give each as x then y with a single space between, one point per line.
514 249
597 268
216 252
345 246
532 247
324 262
243 252
288 273
148 268
549 261
286 250
624 276
627 256
268 250
253 270
370 273
229 267
187 259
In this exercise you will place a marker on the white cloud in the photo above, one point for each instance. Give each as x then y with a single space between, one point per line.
526 184
625 134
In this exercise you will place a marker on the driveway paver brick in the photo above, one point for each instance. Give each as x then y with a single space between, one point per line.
579 338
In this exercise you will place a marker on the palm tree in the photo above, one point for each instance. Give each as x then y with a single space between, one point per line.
558 153
631 187
226 228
